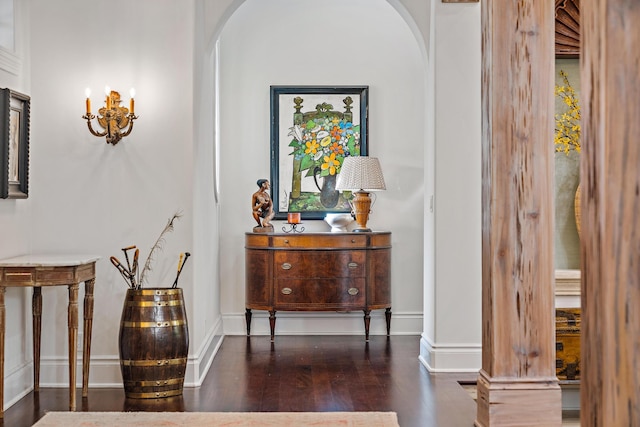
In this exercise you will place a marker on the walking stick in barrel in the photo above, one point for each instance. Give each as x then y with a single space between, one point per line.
180 267
126 274
134 269
132 276
126 255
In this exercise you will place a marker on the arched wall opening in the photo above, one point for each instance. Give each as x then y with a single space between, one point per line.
256 44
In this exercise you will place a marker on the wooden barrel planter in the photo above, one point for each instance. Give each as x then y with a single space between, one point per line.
154 343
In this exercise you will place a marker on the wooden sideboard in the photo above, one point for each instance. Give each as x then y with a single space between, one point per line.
318 272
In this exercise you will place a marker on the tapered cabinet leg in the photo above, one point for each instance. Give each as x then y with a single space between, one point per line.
247 318
387 316
36 312
367 322
73 343
272 323
88 324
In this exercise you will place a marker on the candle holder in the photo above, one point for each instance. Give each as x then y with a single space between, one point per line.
112 117
293 227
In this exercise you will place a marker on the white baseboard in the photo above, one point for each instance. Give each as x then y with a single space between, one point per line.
198 367
450 357
570 397
105 369
323 323
17 384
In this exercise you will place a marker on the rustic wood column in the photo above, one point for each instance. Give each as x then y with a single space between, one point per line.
610 177
517 385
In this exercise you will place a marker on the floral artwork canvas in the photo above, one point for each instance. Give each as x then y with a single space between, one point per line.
313 130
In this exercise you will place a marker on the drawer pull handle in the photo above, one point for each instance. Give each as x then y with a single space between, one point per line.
286 241
353 291
353 265
286 266
286 291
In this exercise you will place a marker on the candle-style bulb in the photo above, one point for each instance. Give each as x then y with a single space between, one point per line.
132 92
87 92
107 91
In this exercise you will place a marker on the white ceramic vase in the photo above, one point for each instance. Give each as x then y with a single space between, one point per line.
338 221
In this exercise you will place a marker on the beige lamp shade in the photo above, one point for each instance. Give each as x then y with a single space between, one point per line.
361 173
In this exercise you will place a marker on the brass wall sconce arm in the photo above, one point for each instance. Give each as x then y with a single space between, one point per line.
117 121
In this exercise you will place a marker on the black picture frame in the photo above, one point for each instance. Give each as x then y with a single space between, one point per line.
15 109
302 159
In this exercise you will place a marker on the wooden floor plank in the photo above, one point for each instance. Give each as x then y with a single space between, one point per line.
296 373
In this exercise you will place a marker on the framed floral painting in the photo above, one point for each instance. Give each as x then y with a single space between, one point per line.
14 144
313 129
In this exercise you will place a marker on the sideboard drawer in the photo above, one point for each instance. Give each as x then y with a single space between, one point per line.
18 275
325 293
55 275
319 264
319 242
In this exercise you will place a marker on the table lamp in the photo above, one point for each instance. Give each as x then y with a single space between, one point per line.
361 174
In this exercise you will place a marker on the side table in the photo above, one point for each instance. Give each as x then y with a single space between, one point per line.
37 271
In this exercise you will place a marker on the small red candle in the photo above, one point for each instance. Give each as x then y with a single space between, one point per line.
293 217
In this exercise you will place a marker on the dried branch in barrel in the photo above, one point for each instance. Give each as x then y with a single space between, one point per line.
158 245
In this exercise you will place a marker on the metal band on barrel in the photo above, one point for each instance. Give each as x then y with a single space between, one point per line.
154 303
155 383
154 394
164 324
159 362
148 292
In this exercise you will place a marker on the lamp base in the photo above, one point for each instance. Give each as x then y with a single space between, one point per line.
362 230
361 205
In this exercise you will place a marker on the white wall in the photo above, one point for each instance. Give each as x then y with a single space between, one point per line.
452 338
335 42
87 196
91 197
15 223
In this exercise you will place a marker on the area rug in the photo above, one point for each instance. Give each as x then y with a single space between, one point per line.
218 419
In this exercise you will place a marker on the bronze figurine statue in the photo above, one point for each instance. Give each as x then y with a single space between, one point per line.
262 206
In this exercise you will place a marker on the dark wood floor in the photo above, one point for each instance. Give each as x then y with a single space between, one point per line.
296 373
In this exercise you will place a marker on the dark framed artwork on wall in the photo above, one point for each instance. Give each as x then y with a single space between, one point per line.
14 144
313 129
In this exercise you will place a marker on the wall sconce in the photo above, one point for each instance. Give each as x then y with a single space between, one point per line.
116 121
